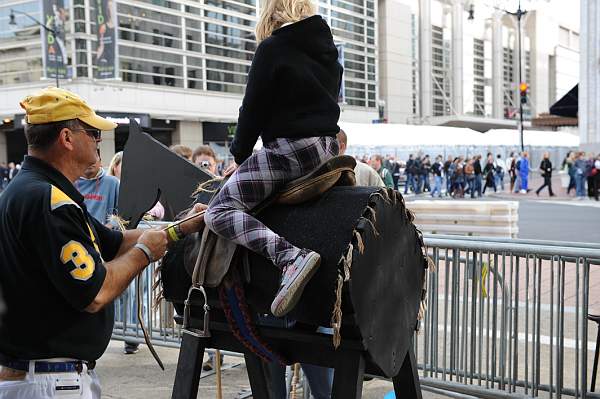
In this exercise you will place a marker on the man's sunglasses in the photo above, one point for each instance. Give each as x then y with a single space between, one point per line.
96 134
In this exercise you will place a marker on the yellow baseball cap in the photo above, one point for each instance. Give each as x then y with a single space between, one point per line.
54 105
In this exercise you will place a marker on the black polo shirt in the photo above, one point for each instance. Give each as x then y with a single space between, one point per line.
51 268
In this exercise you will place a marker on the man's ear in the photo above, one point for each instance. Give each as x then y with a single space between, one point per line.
65 139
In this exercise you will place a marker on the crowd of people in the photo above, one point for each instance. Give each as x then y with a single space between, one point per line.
456 176
460 177
7 173
584 174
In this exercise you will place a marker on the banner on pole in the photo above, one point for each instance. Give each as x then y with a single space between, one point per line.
342 93
104 15
56 57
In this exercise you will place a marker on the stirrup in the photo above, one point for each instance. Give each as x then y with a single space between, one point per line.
205 332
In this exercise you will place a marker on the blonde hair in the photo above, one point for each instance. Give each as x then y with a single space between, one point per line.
182 150
276 13
114 162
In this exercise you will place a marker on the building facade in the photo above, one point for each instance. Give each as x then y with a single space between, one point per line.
467 60
178 67
589 88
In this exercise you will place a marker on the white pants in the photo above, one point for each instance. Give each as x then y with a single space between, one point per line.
53 385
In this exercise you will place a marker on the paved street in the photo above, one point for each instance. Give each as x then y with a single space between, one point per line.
138 377
560 218
559 221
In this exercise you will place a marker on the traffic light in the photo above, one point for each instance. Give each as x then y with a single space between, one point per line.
523 88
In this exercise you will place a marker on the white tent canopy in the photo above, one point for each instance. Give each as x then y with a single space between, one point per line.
534 138
399 135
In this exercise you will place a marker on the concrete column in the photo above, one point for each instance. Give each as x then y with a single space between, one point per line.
425 58
457 56
589 86
107 147
395 59
3 148
188 133
497 67
536 28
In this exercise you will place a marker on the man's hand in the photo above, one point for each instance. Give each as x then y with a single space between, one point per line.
195 224
230 169
156 241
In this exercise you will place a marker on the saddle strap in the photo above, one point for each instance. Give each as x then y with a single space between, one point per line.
206 244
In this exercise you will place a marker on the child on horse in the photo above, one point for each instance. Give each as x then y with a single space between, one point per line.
291 103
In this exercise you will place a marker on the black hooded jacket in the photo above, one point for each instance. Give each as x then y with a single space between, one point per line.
292 88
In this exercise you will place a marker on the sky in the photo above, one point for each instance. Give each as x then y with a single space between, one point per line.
565 11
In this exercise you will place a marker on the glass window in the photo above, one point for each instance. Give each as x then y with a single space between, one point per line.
150 55
142 72
224 52
234 6
150 27
21 65
132 12
356 7
347 35
347 17
227 66
228 18
225 88
225 77
354 57
348 73
353 65
355 85
162 3
352 46
355 102
82 72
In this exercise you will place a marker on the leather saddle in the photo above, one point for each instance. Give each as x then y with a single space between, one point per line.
209 259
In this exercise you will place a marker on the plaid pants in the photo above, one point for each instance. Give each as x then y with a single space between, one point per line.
263 174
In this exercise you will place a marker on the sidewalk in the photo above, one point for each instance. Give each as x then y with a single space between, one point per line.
139 377
535 181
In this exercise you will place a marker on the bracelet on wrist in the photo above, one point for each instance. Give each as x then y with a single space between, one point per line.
173 236
174 232
145 250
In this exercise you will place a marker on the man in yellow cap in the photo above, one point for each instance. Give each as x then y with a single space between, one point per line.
60 269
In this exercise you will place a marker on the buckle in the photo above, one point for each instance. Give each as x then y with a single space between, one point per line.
205 332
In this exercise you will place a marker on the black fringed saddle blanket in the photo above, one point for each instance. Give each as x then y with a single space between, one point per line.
371 275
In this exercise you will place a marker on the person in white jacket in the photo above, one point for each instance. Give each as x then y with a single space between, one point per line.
500 167
365 175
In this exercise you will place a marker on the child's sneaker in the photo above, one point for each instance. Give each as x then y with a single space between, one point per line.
293 279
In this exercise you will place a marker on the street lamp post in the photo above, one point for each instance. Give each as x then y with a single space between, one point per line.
519 14
54 31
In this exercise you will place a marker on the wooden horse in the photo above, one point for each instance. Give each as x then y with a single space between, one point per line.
368 288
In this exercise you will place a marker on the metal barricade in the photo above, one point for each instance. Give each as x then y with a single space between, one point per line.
505 318
158 316
509 318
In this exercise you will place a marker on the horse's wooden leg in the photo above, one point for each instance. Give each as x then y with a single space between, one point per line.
257 376
348 376
189 367
406 383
